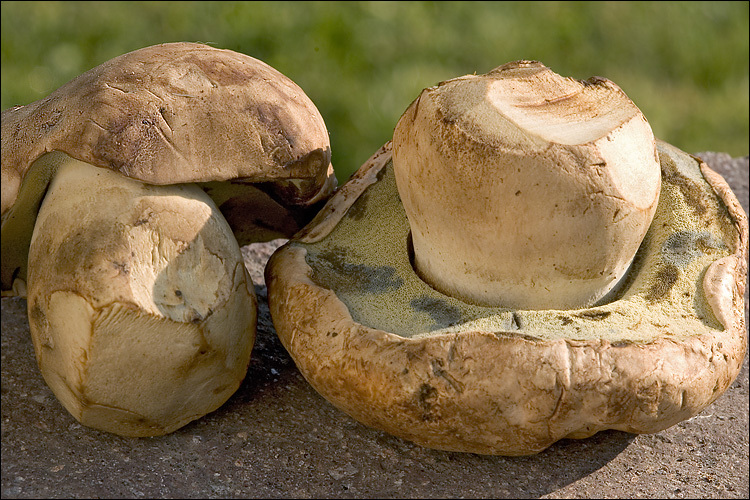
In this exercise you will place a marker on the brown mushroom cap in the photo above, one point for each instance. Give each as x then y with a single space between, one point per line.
398 355
168 114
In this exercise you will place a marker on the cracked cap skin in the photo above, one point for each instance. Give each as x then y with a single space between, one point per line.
176 113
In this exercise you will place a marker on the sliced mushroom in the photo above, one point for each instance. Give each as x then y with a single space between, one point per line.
115 191
403 356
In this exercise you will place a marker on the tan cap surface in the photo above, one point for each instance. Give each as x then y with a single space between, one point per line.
172 113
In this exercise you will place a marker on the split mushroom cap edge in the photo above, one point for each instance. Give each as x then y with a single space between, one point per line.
396 354
141 311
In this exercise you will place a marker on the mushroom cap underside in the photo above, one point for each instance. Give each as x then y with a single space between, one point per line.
397 355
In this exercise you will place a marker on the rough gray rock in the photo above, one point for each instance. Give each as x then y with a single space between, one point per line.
276 437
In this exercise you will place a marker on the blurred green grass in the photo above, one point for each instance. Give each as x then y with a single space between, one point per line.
685 64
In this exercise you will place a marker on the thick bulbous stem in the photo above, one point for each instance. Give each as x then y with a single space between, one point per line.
141 311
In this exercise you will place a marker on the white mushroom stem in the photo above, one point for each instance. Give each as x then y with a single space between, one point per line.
141 311
525 189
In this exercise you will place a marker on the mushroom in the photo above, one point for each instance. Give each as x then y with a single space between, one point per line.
494 180
126 194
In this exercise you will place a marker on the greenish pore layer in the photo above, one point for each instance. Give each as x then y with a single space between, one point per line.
365 261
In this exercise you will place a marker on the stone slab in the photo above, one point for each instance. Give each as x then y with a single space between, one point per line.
276 437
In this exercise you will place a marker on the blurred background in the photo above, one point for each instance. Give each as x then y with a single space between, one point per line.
685 64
